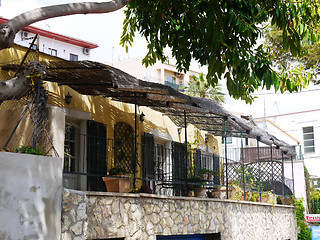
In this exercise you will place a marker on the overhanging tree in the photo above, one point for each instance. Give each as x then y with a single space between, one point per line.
284 61
199 87
222 35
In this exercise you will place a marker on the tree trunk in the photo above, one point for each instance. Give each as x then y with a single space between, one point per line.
14 88
21 85
10 28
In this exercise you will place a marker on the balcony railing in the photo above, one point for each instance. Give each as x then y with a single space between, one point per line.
175 86
168 170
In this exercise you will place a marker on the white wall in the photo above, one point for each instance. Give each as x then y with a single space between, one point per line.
155 73
293 124
30 197
291 112
63 49
299 178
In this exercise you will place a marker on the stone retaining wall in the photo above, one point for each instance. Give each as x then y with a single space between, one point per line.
73 215
143 216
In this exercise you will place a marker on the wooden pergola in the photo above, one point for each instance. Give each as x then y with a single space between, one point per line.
93 78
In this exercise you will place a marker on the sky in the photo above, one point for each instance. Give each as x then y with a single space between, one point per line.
102 29
105 30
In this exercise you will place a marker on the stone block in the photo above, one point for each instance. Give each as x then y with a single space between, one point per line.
77 228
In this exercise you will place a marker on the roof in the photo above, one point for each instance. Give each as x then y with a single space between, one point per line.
55 36
93 78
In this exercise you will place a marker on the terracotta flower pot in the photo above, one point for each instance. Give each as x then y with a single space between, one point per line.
121 184
200 192
244 197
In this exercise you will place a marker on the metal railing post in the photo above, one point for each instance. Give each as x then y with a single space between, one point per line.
186 147
226 155
259 167
272 173
292 175
283 182
243 175
135 142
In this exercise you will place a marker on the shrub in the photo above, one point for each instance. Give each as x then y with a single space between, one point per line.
30 150
305 233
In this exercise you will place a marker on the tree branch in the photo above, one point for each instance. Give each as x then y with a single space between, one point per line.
20 86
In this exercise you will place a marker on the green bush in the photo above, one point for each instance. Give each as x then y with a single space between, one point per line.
305 233
315 202
30 150
118 171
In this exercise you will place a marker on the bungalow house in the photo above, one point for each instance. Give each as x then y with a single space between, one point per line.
96 117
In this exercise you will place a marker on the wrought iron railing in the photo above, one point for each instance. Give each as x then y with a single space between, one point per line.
168 170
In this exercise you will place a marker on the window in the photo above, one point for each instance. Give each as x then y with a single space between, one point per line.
172 82
170 79
73 57
53 52
228 140
71 156
160 161
70 148
308 140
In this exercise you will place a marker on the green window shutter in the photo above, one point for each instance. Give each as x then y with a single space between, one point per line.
197 162
179 165
216 168
148 155
96 155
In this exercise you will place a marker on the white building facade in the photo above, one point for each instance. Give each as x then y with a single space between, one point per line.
163 73
54 44
293 118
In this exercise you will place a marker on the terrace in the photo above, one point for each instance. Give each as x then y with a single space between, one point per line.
169 170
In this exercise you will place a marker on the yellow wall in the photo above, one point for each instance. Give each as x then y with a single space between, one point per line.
109 112
10 111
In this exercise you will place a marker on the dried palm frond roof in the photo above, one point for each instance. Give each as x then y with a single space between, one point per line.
93 78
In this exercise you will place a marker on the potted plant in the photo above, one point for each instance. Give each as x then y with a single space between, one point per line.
215 192
119 182
254 196
197 187
30 150
206 174
200 191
